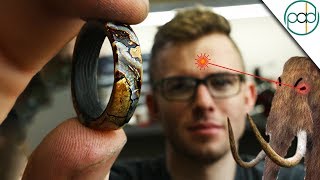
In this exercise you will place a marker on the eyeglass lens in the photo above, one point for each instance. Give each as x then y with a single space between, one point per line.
219 85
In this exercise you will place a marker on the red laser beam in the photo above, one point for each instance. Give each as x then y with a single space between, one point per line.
265 79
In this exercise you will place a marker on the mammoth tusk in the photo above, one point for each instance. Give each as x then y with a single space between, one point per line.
285 162
235 153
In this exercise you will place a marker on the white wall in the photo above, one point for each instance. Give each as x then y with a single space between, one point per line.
264 43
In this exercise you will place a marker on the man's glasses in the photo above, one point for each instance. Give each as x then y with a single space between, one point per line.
180 88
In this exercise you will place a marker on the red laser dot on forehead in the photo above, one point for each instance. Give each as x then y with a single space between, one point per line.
303 88
202 61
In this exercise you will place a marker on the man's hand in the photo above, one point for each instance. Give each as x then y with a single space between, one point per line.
32 32
72 151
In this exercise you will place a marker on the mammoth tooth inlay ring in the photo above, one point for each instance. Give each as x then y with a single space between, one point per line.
127 75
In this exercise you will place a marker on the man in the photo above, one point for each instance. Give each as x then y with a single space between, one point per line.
31 34
193 105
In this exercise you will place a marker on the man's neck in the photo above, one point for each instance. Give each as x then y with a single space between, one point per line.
181 167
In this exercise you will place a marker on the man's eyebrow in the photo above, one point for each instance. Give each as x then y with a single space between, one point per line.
295 85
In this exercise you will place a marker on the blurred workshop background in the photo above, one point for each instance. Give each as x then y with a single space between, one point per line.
46 102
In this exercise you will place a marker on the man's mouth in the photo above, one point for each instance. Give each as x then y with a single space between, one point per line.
205 128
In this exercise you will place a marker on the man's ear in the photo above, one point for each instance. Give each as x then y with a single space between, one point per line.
251 95
152 107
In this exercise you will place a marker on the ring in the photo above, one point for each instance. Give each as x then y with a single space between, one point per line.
127 75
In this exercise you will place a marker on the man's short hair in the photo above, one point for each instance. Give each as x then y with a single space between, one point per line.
188 25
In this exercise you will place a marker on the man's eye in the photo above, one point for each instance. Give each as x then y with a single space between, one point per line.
222 83
178 86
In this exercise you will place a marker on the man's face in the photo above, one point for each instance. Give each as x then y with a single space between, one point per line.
197 128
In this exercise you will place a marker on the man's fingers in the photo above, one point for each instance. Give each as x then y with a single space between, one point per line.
41 30
74 151
126 11
34 31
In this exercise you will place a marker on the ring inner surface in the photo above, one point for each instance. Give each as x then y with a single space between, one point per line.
85 79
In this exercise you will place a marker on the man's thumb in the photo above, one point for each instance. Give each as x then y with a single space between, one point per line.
73 151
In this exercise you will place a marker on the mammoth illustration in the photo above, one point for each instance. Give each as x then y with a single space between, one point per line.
295 111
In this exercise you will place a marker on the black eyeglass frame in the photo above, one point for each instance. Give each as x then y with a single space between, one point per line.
159 83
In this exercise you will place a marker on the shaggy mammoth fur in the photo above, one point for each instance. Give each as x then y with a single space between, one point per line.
295 111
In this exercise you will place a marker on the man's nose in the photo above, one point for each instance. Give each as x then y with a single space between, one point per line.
203 98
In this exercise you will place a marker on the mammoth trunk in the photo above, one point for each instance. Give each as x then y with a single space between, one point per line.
290 114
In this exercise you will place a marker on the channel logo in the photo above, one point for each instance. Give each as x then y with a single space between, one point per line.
301 17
